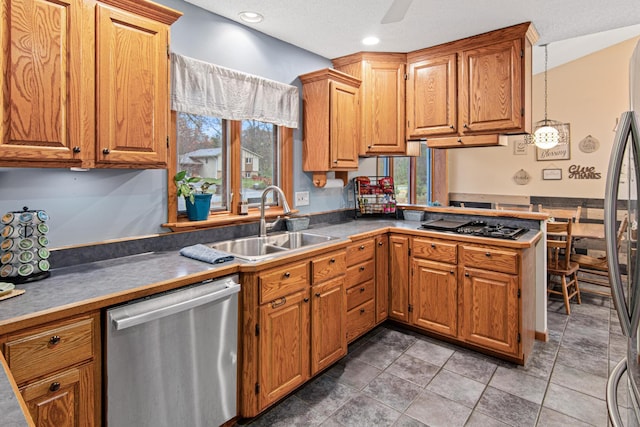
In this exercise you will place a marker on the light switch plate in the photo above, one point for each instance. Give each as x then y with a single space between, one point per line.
302 198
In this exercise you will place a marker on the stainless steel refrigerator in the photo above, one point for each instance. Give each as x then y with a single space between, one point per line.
621 198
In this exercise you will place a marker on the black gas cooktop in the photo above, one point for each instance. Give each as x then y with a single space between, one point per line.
475 228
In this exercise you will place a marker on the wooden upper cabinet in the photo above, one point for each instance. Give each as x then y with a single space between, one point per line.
41 73
81 77
382 100
431 96
468 92
491 89
331 121
132 83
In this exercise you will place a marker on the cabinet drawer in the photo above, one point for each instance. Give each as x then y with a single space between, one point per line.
359 294
49 350
329 266
490 259
283 281
360 272
360 320
436 250
360 251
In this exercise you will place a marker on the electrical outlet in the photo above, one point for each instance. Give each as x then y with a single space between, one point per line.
302 198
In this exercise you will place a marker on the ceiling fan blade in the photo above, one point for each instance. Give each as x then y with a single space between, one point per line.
396 11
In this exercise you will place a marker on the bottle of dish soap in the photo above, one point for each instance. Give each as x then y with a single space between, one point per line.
244 207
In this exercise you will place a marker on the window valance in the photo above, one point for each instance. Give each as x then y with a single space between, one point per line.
202 88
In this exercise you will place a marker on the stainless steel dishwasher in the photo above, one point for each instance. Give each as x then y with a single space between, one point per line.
172 359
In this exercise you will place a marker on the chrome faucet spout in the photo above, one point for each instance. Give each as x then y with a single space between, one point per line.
285 206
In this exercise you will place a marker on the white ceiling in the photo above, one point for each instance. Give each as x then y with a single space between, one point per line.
333 28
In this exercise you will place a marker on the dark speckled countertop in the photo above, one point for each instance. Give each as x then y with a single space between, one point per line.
98 284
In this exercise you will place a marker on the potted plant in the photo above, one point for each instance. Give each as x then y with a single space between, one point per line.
197 198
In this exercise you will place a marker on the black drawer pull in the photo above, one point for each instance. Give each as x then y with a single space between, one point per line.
306 300
318 294
380 243
361 289
452 272
333 260
362 311
466 274
55 386
362 268
361 247
106 151
488 254
287 274
76 149
54 340
433 245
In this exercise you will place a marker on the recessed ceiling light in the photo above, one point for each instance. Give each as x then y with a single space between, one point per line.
251 17
370 41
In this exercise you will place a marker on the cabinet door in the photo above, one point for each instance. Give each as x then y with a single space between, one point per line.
382 278
383 108
328 324
344 131
431 96
132 89
490 94
490 310
434 296
40 117
62 400
399 278
283 346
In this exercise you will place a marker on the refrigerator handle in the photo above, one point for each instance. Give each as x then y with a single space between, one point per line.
629 314
612 393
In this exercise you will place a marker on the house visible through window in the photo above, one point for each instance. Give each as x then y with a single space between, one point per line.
412 176
205 149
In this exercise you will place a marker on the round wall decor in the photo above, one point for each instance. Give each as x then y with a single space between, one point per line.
521 177
589 144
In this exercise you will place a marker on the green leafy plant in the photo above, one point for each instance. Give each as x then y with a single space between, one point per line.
187 185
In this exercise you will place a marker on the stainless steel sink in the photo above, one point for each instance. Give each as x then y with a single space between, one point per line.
260 248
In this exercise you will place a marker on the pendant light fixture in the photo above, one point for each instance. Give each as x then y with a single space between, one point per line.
548 133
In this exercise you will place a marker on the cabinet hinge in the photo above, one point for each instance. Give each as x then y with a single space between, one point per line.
409 251
408 124
518 293
522 112
257 388
518 337
406 76
168 52
410 308
167 141
521 53
257 330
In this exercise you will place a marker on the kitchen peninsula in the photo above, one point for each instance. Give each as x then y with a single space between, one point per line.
81 292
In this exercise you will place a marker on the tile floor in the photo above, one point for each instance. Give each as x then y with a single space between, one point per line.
394 377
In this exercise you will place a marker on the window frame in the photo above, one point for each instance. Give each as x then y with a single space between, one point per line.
179 222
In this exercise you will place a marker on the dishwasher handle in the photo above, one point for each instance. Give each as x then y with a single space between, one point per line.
139 313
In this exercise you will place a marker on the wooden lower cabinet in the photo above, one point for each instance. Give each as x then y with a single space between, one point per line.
382 278
57 369
328 324
284 346
490 310
399 278
60 400
434 296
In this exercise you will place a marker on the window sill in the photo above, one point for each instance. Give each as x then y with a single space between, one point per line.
222 219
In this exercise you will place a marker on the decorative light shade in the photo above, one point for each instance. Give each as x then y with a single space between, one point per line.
548 133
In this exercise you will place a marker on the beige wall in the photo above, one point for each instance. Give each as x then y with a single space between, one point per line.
589 93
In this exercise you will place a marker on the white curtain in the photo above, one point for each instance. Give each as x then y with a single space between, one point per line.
198 87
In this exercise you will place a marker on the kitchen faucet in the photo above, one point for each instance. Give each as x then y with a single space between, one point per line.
264 227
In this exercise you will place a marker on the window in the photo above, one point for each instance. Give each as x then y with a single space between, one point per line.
418 180
207 147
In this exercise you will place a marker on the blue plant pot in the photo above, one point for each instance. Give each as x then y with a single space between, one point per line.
199 209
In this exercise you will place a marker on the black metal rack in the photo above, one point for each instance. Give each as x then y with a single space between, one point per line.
374 196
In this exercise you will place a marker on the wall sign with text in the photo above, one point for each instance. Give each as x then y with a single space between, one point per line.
583 172
559 152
